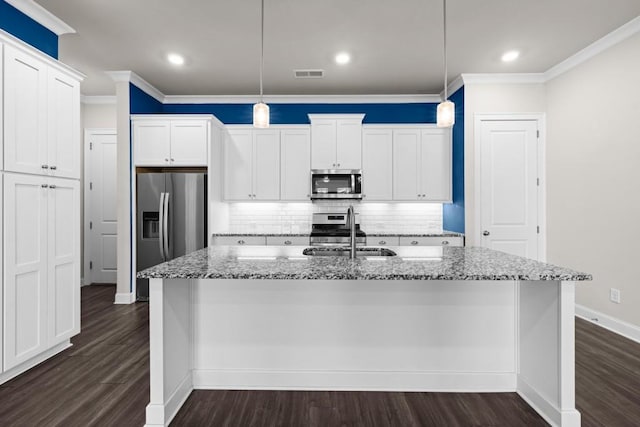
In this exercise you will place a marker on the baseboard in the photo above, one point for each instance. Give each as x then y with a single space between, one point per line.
547 410
620 327
125 298
229 379
25 366
161 415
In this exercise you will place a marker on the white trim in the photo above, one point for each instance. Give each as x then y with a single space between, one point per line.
42 16
542 190
456 84
617 326
131 77
98 99
340 116
616 36
25 366
301 99
125 298
400 126
11 40
231 379
554 416
162 415
503 78
273 127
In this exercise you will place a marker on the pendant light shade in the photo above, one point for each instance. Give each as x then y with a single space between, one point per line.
260 115
446 113
261 110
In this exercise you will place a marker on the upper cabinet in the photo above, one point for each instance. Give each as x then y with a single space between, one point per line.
336 141
377 164
162 140
41 117
422 164
295 164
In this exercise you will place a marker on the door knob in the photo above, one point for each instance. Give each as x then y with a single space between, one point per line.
485 233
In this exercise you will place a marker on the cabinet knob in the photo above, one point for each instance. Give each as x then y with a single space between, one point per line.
287 242
445 242
172 160
485 233
53 187
44 186
382 242
415 242
166 160
241 242
45 166
249 195
424 195
334 165
53 168
308 195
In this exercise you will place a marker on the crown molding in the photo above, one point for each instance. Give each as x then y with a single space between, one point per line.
133 78
98 99
503 78
301 99
456 84
629 29
42 16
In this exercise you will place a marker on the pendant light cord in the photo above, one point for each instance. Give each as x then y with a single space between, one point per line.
261 47
444 20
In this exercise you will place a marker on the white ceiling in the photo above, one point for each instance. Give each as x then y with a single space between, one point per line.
396 46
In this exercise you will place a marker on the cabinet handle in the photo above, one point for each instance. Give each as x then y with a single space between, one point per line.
419 195
424 195
53 168
254 196
382 242
287 242
166 160
445 242
172 160
241 242
415 242
44 186
45 166
334 165
338 164
249 195
53 187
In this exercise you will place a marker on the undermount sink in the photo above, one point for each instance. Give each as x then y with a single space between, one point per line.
342 251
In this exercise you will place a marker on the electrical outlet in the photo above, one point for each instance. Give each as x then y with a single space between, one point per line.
614 295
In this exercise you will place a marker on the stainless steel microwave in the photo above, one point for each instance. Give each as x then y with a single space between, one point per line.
336 184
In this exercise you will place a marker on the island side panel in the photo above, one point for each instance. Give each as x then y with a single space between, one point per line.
546 353
356 335
170 349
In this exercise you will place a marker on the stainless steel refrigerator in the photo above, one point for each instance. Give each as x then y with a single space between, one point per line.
171 218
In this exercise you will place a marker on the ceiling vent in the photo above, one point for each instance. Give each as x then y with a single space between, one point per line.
308 74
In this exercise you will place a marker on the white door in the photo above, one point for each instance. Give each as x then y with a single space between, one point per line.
63 260
266 164
25 108
238 153
406 162
377 164
189 143
152 143
323 144
295 164
508 187
100 191
435 167
63 118
349 144
25 267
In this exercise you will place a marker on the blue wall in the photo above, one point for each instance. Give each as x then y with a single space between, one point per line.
453 214
26 29
142 103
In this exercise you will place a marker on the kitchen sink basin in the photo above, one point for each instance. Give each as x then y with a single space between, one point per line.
342 251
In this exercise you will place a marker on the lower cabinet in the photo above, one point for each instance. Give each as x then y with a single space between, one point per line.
431 241
41 264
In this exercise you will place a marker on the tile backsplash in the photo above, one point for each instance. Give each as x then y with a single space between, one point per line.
416 218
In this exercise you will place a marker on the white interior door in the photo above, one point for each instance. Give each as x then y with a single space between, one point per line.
508 187
100 190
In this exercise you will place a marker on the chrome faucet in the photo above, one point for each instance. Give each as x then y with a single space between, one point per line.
351 223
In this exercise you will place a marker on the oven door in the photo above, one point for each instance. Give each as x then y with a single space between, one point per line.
336 184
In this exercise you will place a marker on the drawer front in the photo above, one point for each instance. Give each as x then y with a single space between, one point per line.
431 241
383 241
238 240
288 240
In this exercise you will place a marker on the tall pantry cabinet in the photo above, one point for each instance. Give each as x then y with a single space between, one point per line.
40 193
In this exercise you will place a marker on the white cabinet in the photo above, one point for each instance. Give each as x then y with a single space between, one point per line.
41 117
41 264
377 164
252 164
431 241
170 141
422 164
295 166
288 240
336 141
235 240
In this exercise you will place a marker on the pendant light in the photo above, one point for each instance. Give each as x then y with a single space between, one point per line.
261 110
446 113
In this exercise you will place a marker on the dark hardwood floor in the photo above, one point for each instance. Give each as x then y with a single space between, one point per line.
103 380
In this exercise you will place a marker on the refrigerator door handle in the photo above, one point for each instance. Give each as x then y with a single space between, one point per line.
160 227
165 218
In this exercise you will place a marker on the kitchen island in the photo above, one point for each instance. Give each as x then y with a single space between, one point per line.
428 319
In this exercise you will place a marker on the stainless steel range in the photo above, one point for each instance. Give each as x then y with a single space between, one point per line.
332 229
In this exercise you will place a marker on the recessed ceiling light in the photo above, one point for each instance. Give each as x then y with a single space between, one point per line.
175 59
510 56
343 58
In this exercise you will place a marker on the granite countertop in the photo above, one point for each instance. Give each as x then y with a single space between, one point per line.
411 263
443 234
